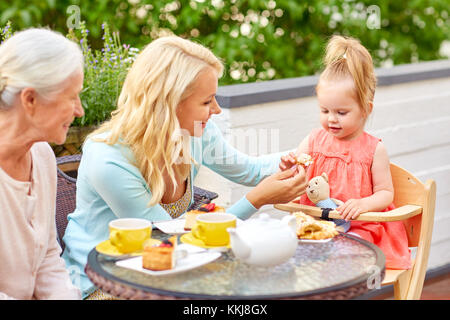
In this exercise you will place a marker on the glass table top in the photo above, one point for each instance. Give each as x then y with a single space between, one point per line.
315 267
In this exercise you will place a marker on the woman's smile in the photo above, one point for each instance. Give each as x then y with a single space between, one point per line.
204 123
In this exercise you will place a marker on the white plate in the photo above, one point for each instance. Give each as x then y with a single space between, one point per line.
175 226
196 257
314 241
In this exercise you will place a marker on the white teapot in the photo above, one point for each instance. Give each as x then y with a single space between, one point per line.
264 241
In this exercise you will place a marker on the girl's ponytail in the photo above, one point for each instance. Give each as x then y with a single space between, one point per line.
347 57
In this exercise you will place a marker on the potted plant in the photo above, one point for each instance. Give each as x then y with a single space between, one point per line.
104 73
105 70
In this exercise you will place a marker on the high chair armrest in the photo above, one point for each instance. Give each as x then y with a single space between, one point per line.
400 213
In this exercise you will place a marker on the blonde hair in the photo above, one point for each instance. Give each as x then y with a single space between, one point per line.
36 58
162 76
346 57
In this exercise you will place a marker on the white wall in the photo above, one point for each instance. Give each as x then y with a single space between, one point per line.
413 119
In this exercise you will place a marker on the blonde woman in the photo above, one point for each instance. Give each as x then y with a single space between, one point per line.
142 163
41 75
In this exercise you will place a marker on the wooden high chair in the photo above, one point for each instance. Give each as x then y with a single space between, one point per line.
415 204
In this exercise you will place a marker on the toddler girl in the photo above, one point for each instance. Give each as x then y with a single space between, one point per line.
357 163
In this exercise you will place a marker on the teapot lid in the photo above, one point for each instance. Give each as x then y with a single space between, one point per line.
263 221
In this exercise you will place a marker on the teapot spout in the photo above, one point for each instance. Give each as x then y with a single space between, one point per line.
240 249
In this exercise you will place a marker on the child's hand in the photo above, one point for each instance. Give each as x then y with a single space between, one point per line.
352 208
280 187
288 161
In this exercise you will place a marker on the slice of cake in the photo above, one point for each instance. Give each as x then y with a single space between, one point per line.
193 214
160 257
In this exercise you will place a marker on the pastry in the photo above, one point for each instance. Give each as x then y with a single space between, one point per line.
160 257
193 214
312 229
301 217
305 160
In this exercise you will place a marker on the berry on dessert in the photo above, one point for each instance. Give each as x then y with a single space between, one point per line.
193 214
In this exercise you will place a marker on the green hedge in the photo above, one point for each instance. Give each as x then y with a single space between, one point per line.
257 40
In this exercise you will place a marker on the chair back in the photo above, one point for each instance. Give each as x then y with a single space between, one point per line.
410 190
67 167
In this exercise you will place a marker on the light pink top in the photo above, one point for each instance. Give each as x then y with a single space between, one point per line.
30 262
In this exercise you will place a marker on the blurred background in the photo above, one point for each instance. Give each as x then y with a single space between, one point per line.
257 39
262 40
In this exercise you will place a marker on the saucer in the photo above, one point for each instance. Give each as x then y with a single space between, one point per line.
195 258
189 238
107 248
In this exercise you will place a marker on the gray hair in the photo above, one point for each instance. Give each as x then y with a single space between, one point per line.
36 58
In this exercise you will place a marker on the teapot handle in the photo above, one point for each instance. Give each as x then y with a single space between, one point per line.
291 222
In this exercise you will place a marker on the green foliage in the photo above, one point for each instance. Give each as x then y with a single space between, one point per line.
104 73
6 31
257 39
105 70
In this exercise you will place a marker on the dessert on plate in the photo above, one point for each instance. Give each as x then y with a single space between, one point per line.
304 160
160 257
309 228
193 214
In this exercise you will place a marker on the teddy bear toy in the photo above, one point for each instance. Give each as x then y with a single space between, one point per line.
318 191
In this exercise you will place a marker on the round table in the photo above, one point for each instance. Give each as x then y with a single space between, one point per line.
343 268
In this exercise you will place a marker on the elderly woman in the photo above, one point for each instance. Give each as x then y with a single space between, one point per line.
41 75
142 163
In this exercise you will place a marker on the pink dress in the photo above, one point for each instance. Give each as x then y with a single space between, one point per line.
348 166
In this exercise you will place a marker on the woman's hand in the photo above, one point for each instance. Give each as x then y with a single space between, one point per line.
288 161
352 208
281 187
